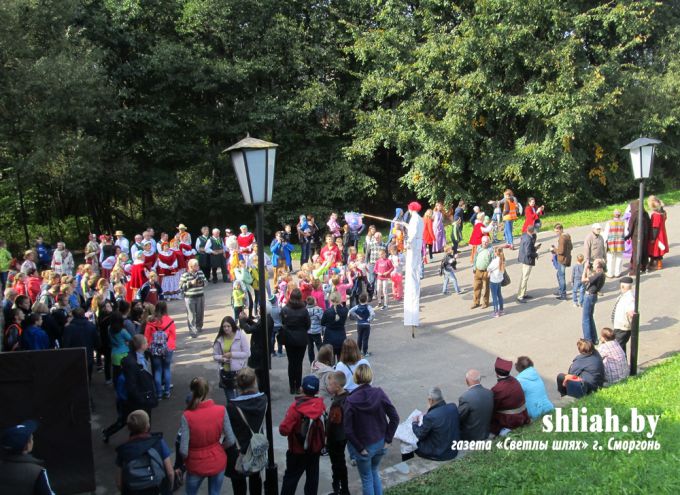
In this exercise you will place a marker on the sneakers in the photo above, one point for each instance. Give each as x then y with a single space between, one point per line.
521 301
385 307
368 354
166 395
461 291
496 314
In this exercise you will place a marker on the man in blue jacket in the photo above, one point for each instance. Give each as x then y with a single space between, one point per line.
439 429
44 254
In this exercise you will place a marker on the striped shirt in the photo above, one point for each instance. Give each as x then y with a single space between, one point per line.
189 289
613 234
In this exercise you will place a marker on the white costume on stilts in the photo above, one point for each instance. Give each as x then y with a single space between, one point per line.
414 261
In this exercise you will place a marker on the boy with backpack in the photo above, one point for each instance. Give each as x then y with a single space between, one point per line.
364 314
304 425
144 465
337 440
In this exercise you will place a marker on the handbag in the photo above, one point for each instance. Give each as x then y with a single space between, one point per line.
227 379
506 279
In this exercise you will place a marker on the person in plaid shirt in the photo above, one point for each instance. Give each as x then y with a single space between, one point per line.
615 363
373 248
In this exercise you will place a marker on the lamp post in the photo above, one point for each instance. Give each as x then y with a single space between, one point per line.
641 158
253 161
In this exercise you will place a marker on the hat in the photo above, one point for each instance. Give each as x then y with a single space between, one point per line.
15 438
502 366
119 232
627 280
596 226
414 206
181 226
310 384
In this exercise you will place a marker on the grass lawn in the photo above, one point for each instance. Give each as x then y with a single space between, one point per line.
587 471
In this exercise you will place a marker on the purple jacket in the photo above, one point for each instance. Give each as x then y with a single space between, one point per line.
366 412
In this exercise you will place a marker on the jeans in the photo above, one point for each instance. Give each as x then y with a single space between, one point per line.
275 337
296 466
573 388
562 279
507 232
195 310
368 466
497 296
588 320
363 333
578 292
161 368
229 394
3 280
312 340
193 482
450 276
305 251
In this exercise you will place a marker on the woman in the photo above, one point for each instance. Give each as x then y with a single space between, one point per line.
496 270
428 232
202 426
535 395
586 373
231 351
160 333
438 226
476 235
246 415
120 339
139 382
321 367
350 359
634 230
103 314
658 240
593 281
367 411
532 215
334 319
296 322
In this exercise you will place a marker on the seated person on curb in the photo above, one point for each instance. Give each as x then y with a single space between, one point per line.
535 394
586 373
613 357
509 406
440 428
475 408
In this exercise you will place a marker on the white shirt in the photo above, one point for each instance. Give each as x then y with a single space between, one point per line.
124 245
208 246
625 305
349 372
495 275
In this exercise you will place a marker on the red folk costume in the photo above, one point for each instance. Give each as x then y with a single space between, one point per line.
179 255
137 279
477 234
185 248
167 262
658 246
531 215
245 243
428 231
150 258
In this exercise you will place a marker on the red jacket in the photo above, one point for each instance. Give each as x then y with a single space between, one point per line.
428 231
312 407
33 285
153 325
206 455
530 217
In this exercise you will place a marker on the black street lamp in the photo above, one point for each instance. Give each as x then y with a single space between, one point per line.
253 161
642 160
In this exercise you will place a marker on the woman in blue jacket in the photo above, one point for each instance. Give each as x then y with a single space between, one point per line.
535 395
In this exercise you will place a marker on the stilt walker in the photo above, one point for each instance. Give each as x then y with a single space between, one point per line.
414 261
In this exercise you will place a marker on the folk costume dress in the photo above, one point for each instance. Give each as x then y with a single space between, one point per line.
92 256
137 278
167 271
658 239
245 244
439 234
414 262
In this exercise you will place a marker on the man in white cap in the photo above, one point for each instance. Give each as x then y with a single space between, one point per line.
122 242
593 246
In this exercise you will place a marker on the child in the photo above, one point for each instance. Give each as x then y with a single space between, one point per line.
238 296
339 287
447 269
314 332
307 410
398 261
336 432
496 218
383 269
275 311
364 315
318 295
577 288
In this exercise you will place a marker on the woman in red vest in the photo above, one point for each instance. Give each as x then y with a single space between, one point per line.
201 429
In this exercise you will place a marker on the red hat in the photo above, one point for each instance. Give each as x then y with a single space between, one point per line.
503 366
414 206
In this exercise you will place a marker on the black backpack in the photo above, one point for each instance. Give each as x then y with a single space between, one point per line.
146 470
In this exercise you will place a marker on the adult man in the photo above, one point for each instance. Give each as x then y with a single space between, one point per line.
509 406
593 246
315 236
480 263
29 262
80 332
122 242
5 260
527 257
20 472
192 284
613 358
475 408
457 226
136 247
92 253
623 312
439 428
215 249
614 231
203 257
563 253
62 260
44 251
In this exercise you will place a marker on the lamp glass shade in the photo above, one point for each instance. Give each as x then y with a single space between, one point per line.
641 159
238 160
255 172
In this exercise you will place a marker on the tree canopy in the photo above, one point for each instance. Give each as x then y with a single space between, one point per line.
115 113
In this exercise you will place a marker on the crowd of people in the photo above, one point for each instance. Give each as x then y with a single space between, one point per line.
115 305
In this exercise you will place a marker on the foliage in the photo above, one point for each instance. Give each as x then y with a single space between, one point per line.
605 471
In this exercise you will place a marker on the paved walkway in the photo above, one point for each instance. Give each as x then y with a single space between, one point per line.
451 340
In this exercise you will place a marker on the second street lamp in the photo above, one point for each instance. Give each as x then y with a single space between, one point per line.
254 162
